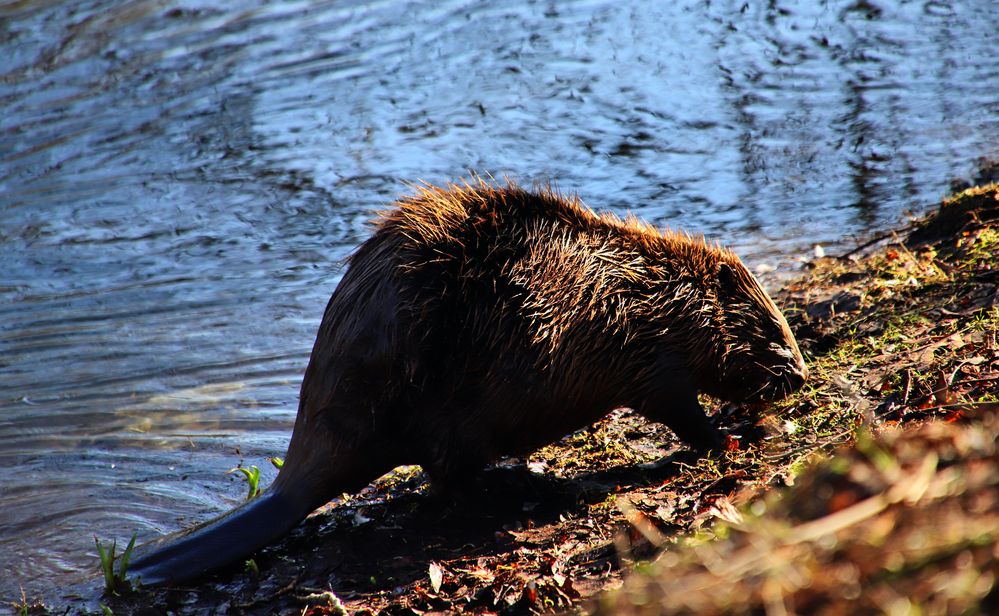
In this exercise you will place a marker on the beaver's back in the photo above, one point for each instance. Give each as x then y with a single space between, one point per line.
543 261
531 308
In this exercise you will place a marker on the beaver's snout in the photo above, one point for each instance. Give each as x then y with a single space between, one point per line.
796 377
793 374
786 380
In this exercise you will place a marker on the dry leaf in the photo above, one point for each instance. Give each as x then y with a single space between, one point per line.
723 509
941 390
436 576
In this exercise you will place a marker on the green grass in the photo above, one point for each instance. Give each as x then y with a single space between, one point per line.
115 582
26 608
252 476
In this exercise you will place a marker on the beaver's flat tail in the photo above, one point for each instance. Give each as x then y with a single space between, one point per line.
218 542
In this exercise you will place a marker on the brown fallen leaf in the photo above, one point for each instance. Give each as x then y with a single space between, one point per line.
436 576
941 390
952 342
640 523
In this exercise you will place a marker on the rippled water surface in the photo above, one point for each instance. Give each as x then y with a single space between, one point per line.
179 183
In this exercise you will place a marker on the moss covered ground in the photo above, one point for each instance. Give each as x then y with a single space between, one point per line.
898 510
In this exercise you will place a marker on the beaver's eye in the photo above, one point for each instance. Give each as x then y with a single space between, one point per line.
782 351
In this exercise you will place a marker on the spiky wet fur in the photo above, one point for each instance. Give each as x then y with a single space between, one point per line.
518 316
480 321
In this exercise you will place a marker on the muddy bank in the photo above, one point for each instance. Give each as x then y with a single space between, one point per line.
901 338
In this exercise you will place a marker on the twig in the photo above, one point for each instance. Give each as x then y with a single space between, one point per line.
877 238
277 593
934 392
983 407
903 490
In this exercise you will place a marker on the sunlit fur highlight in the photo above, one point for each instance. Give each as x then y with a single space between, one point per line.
618 275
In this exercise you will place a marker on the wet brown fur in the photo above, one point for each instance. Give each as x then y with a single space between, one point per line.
481 321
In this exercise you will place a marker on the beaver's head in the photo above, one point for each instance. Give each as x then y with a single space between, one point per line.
756 356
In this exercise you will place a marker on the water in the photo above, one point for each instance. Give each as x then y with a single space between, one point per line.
179 184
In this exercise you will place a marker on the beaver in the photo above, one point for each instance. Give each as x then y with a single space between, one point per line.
481 321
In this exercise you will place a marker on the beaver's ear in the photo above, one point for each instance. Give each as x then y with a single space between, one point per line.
728 281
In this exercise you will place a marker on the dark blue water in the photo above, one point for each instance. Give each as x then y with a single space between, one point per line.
179 183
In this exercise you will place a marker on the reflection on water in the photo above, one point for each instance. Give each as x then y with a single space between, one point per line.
179 183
